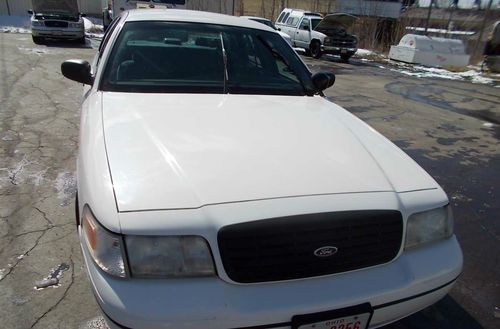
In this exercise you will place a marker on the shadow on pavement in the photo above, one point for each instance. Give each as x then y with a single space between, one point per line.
67 43
446 314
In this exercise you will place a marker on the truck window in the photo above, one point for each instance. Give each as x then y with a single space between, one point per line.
305 22
285 18
292 21
281 17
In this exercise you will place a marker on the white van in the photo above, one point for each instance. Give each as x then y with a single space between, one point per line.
319 35
56 19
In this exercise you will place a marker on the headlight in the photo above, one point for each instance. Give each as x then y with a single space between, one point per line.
104 246
169 256
429 226
37 23
74 25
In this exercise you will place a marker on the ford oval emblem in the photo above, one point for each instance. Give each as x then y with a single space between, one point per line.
325 251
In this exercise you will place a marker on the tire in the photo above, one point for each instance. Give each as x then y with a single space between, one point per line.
315 49
81 41
77 210
38 40
345 58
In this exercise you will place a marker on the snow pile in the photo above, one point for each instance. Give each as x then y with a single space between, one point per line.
13 29
93 30
364 53
473 75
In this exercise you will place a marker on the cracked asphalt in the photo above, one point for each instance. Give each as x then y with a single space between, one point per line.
451 128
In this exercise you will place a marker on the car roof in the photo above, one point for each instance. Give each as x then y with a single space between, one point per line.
183 15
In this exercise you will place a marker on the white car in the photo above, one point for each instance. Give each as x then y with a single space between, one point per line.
269 23
56 20
218 189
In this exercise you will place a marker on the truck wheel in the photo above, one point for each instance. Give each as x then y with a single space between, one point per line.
38 40
315 49
81 41
345 58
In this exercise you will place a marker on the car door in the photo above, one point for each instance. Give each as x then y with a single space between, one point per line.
303 33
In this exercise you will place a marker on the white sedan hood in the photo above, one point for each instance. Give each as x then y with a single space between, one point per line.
169 151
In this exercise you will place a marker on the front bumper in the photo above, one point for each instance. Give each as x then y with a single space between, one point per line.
58 33
413 281
338 50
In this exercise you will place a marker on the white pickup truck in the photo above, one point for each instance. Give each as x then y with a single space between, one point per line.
319 35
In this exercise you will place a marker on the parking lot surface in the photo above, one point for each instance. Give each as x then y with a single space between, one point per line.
451 128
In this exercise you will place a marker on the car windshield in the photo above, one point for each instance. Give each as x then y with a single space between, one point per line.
172 57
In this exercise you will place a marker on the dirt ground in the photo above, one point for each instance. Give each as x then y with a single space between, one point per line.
451 128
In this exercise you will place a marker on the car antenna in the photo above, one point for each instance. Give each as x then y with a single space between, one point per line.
224 58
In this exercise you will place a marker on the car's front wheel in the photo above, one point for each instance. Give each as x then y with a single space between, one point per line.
315 49
38 40
345 58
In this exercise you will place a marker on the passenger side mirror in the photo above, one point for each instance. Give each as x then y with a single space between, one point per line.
323 80
77 70
30 12
305 27
83 15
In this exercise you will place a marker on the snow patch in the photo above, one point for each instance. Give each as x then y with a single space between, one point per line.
25 171
65 185
364 52
473 75
37 51
96 323
13 29
2 272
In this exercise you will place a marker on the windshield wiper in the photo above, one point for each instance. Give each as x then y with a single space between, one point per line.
277 55
224 58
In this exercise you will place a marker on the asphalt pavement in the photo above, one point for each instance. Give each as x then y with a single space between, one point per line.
451 128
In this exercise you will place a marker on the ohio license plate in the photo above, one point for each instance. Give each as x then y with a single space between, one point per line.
354 317
359 321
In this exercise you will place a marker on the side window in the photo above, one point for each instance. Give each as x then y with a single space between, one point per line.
280 17
293 21
305 22
285 18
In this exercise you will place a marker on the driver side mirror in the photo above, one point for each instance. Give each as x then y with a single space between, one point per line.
305 27
30 12
323 80
77 70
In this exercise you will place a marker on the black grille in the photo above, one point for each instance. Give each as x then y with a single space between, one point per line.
341 43
283 248
56 24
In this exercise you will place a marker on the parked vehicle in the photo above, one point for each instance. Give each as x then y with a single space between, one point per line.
116 7
319 35
234 195
269 23
56 20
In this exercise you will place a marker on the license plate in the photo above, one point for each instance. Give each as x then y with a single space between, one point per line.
359 321
354 317
57 32
343 51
